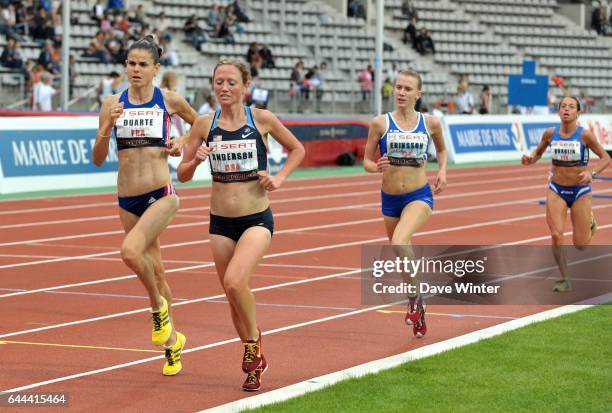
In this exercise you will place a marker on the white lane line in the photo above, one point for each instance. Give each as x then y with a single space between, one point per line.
93 294
197 300
364 179
327 247
273 286
174 226
497 329
318 383
275 201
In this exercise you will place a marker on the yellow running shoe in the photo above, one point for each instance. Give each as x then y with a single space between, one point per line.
162 327
173 356
562 286
593 224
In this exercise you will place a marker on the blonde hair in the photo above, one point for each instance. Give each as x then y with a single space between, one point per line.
411 73
245 73
169 81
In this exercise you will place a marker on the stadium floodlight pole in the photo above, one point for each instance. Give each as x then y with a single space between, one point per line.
378 59
65 53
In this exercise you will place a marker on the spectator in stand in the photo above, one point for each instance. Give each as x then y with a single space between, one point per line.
106 24
42 26
392 72
311 81
240 13
356 9
108 86
122 22
11 55
214 16
43 93
162 24
266 55
48 58
464 99
424 42
295 87
170 56
586 103
223 32
320 77
97 49
140 16
7 19
485 101
72 75
209 106
232 20
115 48
98 10
409 10
410 33
366 81
22 18
598 20
194 32
253 57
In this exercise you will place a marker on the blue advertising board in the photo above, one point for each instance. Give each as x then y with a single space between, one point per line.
51 152
527 88
533 132
483 137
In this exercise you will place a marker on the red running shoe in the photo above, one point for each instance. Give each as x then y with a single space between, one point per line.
412 314
253 379
419 328
252 355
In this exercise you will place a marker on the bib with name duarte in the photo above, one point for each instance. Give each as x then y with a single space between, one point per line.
138 127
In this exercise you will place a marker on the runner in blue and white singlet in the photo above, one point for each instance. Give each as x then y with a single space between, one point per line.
138 118
402 137
570 182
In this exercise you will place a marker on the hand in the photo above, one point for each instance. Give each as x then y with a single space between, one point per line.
440 182
116 110
268 182
382 164
202 153
172 147
527 160
585 177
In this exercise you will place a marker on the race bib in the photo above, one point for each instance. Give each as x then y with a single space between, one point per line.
566 153
406 149
140 127
238 158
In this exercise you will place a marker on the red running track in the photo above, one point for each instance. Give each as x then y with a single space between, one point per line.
75 319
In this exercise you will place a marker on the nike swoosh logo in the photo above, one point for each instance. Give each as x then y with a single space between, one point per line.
244 136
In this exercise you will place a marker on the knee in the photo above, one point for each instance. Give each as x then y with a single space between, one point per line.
556 237
581 242
233 287
398 241
129 254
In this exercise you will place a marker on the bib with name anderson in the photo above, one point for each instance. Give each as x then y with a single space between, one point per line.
237 155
